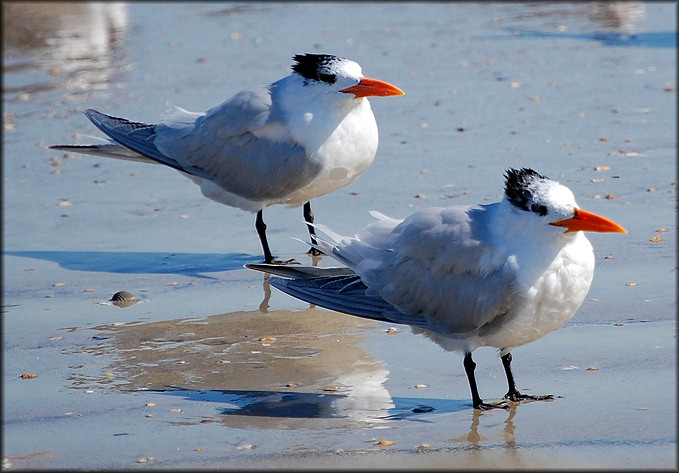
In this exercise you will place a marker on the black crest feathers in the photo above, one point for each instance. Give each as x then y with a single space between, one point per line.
315 67
519 187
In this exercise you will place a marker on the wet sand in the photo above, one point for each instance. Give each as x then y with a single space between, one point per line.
212 368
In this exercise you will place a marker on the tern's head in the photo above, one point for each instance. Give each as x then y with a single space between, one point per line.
339 75
551 203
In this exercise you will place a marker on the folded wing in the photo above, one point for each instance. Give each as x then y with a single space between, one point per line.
439 266
345 294
237 145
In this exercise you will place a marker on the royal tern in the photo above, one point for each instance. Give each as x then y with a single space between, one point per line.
498 275
301 137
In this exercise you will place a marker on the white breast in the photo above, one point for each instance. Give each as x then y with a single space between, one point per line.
344 155
549 300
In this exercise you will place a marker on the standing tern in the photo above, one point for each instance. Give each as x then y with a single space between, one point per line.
500 275
301 137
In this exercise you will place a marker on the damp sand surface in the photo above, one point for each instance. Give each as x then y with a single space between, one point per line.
212 368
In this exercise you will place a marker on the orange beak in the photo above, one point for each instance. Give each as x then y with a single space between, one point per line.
372 88
589 222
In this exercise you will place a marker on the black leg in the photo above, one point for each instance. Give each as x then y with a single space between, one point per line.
469 367
513 394
309 219
261 231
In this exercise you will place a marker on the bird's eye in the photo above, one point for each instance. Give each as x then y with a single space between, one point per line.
539 209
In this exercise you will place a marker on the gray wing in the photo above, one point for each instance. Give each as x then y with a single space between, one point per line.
128 140
135 136
300 272
345 294
107 150
438 265
240 144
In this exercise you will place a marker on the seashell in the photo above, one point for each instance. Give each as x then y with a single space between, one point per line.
245 446
124 299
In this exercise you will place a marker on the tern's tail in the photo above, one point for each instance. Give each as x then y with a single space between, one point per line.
300 272
335 289
128 140
107 150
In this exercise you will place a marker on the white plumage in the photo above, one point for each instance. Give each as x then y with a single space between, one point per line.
301 137
499 275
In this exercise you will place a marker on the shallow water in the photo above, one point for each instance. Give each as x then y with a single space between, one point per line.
582 92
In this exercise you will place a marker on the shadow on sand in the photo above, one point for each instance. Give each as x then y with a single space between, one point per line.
304 405
185 264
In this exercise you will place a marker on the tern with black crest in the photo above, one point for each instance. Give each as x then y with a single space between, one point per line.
495 275
301 137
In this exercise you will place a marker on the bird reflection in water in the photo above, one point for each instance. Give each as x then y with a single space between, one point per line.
283 365
474 437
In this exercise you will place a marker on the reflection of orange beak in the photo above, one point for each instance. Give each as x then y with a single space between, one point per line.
372 88
589 222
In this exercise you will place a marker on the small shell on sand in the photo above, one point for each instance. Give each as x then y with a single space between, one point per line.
124 299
